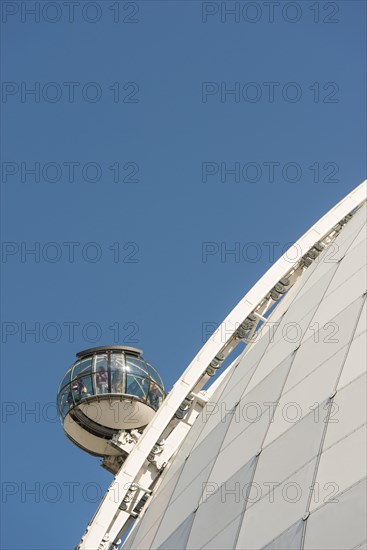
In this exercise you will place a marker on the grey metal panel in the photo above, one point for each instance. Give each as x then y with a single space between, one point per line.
339 526
348 266
319 268
278 352
188 443
291 539
178 539
332 254
355 224
292 449
325 342
350 291
183 503
204 424
195 433
225 505
282 340
349 411
195 473
250 423
327 259
356 361
347 236
341 466
352 233
269 517
311 294
255 402
210 415
152 517
128 544
301 286
315 388
241 449
220 541
362 235
362 323
203 453
293 325
176 465
237 384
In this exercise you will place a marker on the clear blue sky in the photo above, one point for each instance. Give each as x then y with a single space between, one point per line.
168 114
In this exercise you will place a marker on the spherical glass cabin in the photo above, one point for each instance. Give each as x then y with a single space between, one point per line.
108 389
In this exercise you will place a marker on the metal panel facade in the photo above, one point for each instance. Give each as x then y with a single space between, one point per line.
279 458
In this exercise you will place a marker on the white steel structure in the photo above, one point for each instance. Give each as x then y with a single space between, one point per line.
272 454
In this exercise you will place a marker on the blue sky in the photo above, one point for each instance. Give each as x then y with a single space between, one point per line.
146 90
